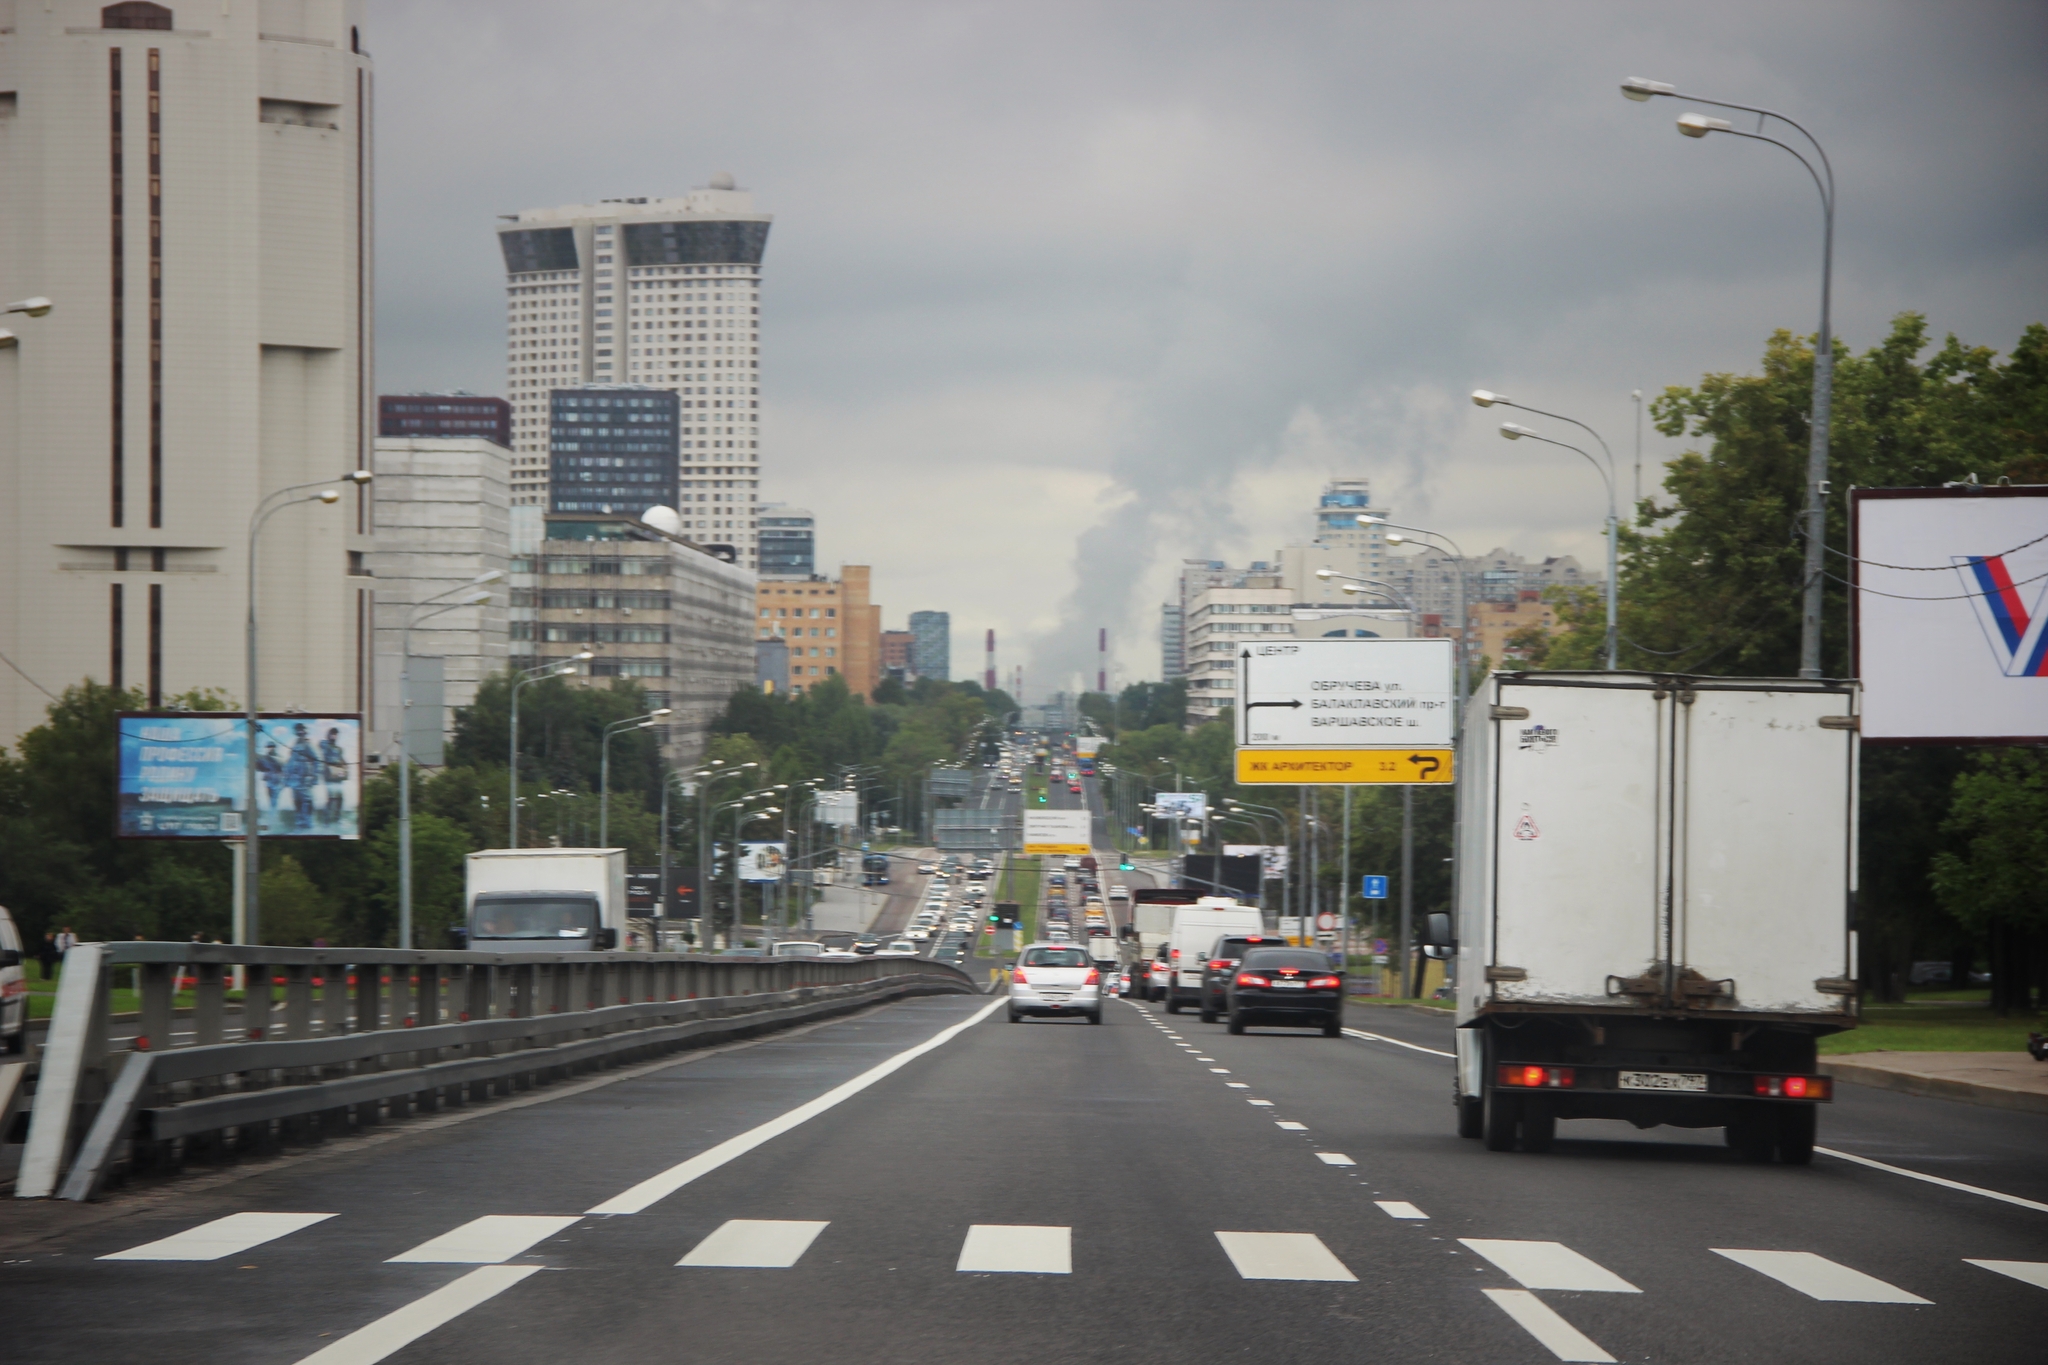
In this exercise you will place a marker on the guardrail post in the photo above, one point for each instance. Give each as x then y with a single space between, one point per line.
78 1016
209 992
159 992
256 992
298 1001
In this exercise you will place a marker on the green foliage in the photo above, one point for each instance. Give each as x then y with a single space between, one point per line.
1711 571
561 726
439 846
2000 813
1144 705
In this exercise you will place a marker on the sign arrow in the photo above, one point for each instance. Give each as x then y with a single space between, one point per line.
1425 763
1294 705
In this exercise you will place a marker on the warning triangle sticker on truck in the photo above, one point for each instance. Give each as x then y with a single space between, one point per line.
1525 828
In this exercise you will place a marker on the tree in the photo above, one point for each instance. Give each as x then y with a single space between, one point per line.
1997 882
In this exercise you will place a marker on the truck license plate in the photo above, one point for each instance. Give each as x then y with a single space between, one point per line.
1663 1080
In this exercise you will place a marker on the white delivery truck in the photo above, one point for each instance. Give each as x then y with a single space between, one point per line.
1151 927
1195 931
546 900
1656 888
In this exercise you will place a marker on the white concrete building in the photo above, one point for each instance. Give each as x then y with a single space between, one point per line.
663 292
443 519
191 186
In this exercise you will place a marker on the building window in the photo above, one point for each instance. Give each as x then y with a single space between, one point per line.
135 14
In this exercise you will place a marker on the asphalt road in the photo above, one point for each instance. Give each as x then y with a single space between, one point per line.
1149 1190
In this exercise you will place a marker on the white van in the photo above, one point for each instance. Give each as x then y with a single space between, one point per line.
13 987
1195 931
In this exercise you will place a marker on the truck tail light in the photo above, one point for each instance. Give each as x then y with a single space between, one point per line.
1536 1077
1795 1087
1176 954
1247 979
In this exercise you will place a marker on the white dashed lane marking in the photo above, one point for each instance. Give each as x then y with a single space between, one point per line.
2028 1272
1819 1278
489 1240
1282 1256
1542 1322
767 1244
1011 1249
1550 1265
1399 1208
222 1237
1335 1159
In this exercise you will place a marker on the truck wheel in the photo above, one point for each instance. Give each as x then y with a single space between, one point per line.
1471 1116
1539 1126
1501 1119
1796 1125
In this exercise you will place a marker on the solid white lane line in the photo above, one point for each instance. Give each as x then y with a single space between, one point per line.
1549 1265
1333 1158
1013 1249
1290 1125
2031 1272
403 1326
1542 1322
1282 1256
759 1243
659 1186
1399 1208
221 1237
485 1241
1933 1179
1819 1278
1412 1047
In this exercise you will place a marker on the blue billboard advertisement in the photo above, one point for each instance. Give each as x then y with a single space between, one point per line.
183 775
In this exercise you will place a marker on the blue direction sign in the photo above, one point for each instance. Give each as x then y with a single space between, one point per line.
1373 888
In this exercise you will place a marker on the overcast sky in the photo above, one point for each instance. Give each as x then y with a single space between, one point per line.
1061 293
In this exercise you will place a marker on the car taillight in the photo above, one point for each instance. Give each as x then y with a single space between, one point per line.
1176 954
1019 977
1536 1077
1247 979
1220 964
1321 983
1092 977
1795 1087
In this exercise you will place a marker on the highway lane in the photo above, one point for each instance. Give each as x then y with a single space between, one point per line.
1143 1140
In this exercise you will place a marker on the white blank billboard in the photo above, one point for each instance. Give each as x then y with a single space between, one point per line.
1952 613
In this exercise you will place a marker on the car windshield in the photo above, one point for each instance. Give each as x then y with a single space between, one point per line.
1273 959
533 917
1054 957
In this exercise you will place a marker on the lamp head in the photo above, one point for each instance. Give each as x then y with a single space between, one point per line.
583 654
1368 519
1699 125
35 307
660 711
489 576
1396 538
8 339
1326 573
473 599
1515 431
1640 90
329 496
1483 399
1355 588
361 476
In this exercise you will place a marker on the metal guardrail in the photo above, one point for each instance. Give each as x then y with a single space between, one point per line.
331 1039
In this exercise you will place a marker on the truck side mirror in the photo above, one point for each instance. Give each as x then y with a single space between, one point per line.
9 957
1437 932
607 939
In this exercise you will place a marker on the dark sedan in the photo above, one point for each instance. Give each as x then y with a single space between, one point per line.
1290 986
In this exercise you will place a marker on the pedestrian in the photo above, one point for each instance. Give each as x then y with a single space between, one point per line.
47 955
66 940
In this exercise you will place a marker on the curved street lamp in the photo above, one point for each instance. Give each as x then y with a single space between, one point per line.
604 767
1698 126
1515 431
252 837
1464 621
531 675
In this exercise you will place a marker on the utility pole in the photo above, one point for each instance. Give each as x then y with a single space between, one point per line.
1407 884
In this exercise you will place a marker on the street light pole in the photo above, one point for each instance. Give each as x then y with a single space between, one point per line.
531 675
249 911
1515 431
1698 126
413 616
1464 623
604 768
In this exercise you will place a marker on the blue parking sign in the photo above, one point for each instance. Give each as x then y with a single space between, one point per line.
1373 888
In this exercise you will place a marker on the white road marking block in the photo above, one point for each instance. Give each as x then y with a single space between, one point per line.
1219 1070
1282 1256
1290 1125
1015 1249
2031 1272
1264 1104
222 1237
490 1240
1399 1208
1819 1278
665 1183
1332 1158
760 1243
1239 1085
1542 1322
403 1326
1549 1265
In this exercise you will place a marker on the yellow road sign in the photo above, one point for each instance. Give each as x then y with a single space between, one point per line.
1058 850
1344 766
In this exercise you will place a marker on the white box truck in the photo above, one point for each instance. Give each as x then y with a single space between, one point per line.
1656 891
546 900
1195 931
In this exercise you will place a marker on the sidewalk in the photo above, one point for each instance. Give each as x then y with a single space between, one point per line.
2002 1080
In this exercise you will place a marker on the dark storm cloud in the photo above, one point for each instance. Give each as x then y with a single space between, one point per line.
1062 293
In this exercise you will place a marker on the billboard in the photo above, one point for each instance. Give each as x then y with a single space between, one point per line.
763 862
184 774
1184 805
1272 856
1951 613
1087 746
1061 833
838 808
